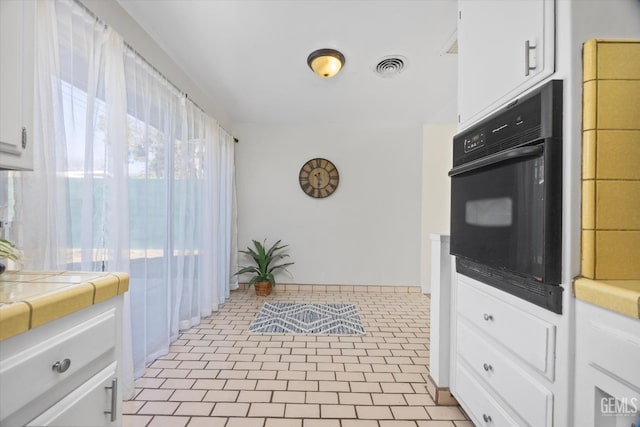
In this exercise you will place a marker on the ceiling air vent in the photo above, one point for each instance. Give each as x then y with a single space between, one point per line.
451 46
453 49
391 65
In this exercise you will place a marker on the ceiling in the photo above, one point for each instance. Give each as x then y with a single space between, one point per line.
250 56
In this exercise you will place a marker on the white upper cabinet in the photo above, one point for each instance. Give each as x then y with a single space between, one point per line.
505 47
16 84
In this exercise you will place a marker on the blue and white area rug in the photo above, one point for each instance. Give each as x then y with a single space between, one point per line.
287 318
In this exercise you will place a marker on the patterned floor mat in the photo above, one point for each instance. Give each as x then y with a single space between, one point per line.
327 319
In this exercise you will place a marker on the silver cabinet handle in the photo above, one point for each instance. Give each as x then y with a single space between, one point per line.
487 317
114 400
61 367
486 418
24 137
527 50
487 367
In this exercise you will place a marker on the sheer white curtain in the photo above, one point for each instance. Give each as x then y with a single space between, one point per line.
176 170
226 218
129 176
154 115
41 223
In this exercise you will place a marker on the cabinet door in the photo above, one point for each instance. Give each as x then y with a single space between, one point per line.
89 405
494 63
16 84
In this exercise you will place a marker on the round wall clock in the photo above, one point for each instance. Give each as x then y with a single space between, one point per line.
319 178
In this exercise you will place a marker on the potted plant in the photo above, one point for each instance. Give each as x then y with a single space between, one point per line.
265 265
8 251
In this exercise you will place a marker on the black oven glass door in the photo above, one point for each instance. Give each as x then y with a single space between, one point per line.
498 211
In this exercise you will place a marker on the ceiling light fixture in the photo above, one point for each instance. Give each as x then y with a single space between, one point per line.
326 62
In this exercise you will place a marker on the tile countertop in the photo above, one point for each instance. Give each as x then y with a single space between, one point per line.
622 296
29 299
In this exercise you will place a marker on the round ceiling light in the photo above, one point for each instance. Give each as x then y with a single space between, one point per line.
326 62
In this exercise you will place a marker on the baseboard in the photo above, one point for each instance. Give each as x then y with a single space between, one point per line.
287 287
441 395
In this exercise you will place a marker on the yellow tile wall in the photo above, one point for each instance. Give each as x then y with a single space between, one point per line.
611 160
617 255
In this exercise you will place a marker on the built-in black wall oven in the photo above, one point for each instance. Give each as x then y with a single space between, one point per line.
506 198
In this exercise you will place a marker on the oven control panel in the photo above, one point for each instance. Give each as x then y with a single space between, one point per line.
474 141
525 121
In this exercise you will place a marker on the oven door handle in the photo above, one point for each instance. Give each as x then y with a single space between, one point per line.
503 156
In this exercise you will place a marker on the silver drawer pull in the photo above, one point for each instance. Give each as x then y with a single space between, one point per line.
61 367
487 317
486 418
114 400
487 367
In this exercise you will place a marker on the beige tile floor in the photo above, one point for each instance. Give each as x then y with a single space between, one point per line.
219 375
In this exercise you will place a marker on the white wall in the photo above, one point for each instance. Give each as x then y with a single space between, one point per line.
367 232
437 151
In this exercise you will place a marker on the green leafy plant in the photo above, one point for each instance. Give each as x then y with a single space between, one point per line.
265 262
9 251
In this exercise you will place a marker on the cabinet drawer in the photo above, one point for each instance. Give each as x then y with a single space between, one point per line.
89 405
528 337
82 345
532 401
483 410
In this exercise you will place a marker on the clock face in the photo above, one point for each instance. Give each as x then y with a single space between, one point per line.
319 178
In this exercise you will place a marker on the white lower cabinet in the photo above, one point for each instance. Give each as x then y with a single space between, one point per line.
522 334
63 373
531 400
504 359
85 406
607 368
481 406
